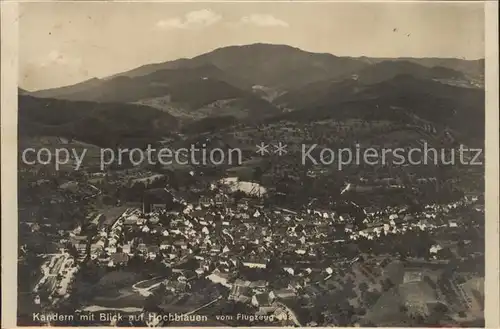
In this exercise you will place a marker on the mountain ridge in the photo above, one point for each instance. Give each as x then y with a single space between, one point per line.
103 124
445 105
471 67
258 81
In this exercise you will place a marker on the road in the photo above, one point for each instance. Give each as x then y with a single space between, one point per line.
146 291
203 306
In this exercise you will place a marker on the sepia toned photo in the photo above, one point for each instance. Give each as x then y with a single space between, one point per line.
251 164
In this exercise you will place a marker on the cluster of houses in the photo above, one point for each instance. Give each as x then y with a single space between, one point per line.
243 234
221 239
393 220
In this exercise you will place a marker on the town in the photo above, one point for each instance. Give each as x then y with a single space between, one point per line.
224 250
222 165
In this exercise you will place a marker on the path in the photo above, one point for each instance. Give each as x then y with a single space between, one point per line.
203 306
146 291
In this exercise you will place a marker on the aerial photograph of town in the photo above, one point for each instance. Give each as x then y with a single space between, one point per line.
251 164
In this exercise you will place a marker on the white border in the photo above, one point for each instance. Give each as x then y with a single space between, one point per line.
492 255
8 98
9 40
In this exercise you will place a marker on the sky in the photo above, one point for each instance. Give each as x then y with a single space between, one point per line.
62 43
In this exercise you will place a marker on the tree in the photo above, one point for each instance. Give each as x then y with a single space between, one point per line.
151 304
72 251
257 174
429 281
461 249
363 287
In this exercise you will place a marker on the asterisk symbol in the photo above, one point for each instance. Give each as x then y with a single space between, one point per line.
280 148
262 148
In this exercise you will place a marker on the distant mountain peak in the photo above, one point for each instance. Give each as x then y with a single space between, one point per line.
262 46
279 68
